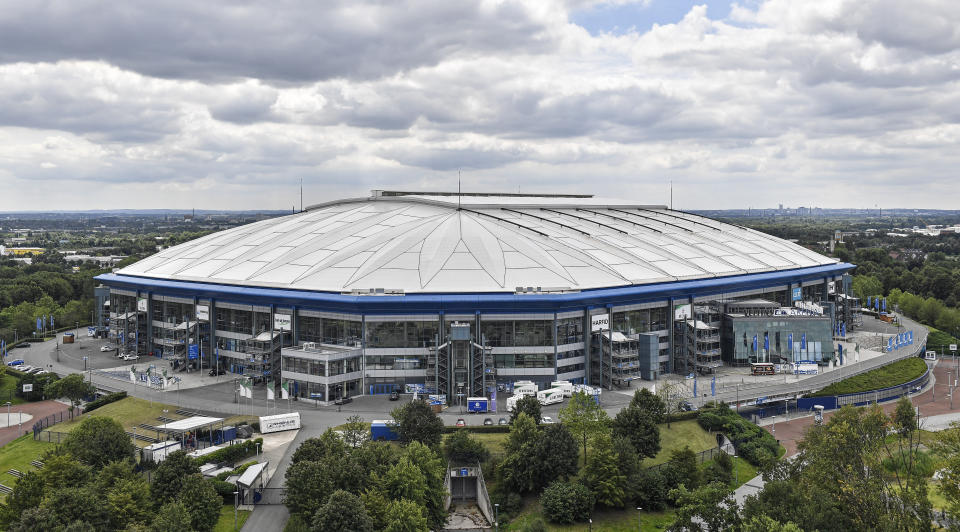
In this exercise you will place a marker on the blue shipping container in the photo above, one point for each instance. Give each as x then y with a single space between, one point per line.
381 431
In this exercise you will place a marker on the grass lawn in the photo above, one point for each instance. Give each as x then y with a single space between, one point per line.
225 523
681 433
130 412
18 454
937 499
603 520
891 375
8 385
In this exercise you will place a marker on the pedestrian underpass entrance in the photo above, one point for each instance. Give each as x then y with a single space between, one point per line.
467 499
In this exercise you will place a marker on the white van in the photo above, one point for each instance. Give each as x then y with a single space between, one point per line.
526 389
550 396
512 402
566 386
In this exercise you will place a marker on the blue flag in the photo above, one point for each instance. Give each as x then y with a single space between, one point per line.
884 304
694 387
766 341
51 322
713 386
38 324
890 344
754 343
868 301
840 353
790 342
803 341
843 329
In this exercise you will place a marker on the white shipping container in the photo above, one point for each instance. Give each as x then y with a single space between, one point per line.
279 422
159 451
526 389
512 402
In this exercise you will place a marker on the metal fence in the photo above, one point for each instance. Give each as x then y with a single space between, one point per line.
702 456
50 436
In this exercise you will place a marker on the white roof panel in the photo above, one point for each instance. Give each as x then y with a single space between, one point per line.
429 243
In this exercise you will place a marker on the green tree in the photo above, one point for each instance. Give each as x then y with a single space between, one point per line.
566 502
309 483
649 403
417 422
603 475
405 516
170 475
27 493
202 502
328 444
70 504
866 285
172 517
461 448
129 503
555 456
523 430
528 405
61 470
584 417
343 512
73 387
711 506
99 440
434 471
355 431
763 523
640 427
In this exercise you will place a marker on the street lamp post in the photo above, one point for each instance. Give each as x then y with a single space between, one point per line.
235 504
496 516
736 470
738 398
8 413
774 431
639 519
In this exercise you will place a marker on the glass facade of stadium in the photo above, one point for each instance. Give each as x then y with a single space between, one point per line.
327 345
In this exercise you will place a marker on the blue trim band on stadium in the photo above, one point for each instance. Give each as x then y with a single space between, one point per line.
465 303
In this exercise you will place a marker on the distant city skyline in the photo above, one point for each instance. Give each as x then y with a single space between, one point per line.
827 103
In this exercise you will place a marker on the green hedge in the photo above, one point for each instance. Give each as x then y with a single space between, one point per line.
232 453
753 444
682 416
478 428
105 400
899 372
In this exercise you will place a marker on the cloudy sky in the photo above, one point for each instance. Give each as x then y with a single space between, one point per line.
181 104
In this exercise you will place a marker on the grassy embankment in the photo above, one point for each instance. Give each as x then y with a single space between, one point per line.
899 372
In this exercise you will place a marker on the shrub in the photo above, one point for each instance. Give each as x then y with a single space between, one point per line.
232 453
566 502
296 523
900 372
105 400
537 525
459 447
224 489
754 444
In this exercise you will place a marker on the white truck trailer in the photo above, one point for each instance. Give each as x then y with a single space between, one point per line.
550 396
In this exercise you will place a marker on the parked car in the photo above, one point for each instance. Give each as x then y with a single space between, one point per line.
503 421
131 356
547 420
461 422
23 344
36 371
25 368
105 348
343 400
487 421
686 406
17 362
217 371
394 395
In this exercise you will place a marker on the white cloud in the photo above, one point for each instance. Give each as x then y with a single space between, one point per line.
231 106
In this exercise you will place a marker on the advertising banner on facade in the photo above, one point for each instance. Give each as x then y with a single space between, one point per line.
797 294
279 422
281 322
682 312
203 312
141 305
600 322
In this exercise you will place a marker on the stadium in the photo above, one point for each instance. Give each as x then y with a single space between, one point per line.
456 294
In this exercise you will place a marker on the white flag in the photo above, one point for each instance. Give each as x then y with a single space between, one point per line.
133 375
248 388
270 396
653 389
284 390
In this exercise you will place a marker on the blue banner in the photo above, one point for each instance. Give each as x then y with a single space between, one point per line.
38 324
884 304
890 344
843 329
868 301
754 343
766 342
713 386
803 341
193 351
797 294
790 342
840 353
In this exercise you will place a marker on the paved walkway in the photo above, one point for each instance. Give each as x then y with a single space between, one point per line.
38 410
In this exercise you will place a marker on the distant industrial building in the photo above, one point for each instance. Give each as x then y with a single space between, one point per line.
456 293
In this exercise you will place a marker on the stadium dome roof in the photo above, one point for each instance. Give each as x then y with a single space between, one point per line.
467 243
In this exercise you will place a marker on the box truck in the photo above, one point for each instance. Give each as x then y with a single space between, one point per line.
512 401
476 404
530 389
550 396
566 386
